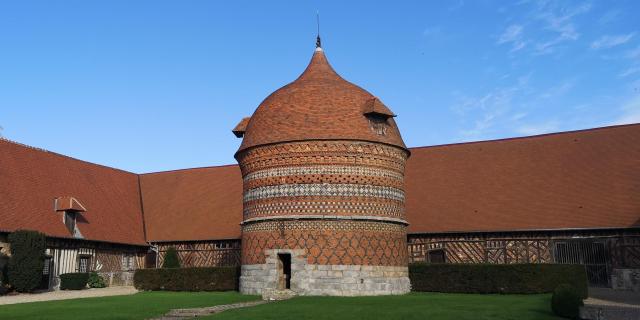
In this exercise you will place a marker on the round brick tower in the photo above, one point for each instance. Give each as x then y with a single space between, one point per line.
323 167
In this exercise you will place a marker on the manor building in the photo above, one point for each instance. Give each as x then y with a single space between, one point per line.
328 200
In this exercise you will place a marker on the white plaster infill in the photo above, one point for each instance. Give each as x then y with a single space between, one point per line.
326 217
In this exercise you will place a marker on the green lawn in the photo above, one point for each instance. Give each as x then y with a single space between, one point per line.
431 306
423 306
138 306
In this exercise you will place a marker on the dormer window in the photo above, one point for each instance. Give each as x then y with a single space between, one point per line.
241 128
70 221
378 115
71 208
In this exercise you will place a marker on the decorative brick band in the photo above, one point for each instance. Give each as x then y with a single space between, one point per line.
337 206
324 179
335 190
324 218
325 225
343 153
324 170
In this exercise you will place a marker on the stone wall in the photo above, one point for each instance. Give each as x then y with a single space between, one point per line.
122 278
626 279
317 280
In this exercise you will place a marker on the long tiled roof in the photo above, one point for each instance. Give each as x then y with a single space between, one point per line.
31 179
193 204
582 179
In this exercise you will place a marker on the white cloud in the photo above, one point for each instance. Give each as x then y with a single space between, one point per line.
630 112
558 90
559 21
633 54
513 35
490 109
432 31
629 71
610 41
456 6
539 128
609 16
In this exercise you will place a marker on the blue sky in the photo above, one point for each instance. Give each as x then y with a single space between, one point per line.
158 85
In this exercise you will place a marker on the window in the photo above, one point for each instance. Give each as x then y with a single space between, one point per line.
70 221
128 262
47 266
437 256
83 263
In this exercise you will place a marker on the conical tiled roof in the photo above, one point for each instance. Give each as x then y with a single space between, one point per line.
319 105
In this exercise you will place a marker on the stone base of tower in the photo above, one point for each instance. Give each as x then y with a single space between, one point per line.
323 280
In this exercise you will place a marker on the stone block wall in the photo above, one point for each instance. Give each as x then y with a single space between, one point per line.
318 280
626 279
121 278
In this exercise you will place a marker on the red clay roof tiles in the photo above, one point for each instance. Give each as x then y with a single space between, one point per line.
30 180
241 127
68 204
581 179
318 105
193 204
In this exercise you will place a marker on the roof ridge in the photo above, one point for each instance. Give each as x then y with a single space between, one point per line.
186 169
528 137
62 155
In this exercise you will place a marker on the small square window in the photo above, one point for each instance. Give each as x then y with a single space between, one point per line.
128 262
84 263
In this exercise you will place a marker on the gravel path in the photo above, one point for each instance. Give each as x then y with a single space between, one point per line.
179 314
64 295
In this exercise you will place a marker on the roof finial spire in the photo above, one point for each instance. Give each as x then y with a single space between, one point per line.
318 42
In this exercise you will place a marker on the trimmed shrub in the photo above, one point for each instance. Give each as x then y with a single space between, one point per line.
74 281
27 259
496 278
4 260
566 301
96 281
187 279
171 259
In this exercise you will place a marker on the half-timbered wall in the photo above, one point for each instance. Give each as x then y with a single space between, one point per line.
600 251
203 253
622 246
110 260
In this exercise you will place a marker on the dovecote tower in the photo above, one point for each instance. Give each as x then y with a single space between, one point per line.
323 167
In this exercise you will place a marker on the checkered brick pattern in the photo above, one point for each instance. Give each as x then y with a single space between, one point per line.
329 242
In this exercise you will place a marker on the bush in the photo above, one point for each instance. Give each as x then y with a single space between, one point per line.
566 301
171 259
96 281
4 260
187 279
73 281
496 278
27 259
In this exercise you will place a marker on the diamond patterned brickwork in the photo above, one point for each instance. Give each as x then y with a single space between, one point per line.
359 181
328 242
324 205
336 153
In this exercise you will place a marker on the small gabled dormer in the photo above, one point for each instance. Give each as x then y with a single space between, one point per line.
241 128
70 208
378 114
